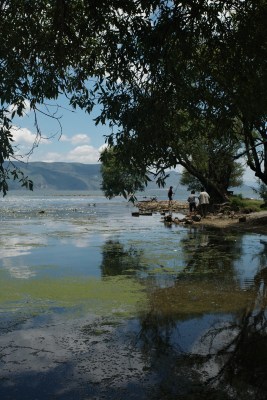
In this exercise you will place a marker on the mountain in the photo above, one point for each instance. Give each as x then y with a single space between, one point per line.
61 176
77 176
71 176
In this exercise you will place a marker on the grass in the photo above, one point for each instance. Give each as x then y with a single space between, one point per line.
240 203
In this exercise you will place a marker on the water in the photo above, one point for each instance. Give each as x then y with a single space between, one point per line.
181 193
97 304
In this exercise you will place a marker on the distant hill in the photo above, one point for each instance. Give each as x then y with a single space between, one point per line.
77 176
71 176
61 176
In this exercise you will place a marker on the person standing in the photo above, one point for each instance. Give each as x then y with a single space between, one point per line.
192 201
170 194
204 200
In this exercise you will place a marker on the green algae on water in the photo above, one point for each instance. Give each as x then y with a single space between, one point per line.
118 295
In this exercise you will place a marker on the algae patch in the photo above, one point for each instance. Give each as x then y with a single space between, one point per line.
113 295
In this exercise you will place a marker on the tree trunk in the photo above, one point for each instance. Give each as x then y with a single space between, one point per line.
256 151
217 194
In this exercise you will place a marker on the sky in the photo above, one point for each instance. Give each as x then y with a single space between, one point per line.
77 140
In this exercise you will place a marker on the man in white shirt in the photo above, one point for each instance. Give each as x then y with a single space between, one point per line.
204 200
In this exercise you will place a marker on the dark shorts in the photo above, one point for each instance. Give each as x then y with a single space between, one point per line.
192 206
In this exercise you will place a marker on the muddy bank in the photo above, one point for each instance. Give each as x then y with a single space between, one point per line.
162 206
252 222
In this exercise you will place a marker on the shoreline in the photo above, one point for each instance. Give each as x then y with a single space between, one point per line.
255 222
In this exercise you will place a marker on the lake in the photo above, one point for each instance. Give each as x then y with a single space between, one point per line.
97 304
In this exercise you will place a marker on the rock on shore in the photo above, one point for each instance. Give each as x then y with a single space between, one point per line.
253 222
161 206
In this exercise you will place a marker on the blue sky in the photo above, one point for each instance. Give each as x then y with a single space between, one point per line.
80 140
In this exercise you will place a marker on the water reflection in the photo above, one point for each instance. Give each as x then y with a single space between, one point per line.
184 325
227 354
263 252
210 252
235 359
119 260
228 358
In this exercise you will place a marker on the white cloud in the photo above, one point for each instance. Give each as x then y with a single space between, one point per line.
23 135
76 139
49 157
81 154
24 139
84 154
26 136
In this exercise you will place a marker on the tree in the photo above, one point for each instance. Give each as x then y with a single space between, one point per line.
193 183
243 77
119 180
58 47
212 165
208 155
261 190
153 66
184 82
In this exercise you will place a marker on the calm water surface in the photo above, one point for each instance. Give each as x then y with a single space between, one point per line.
97 304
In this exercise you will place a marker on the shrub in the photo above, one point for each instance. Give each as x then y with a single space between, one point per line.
261 190
246 205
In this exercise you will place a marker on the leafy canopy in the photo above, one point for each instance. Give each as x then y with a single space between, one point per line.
158 69
184 95
118 179
50 48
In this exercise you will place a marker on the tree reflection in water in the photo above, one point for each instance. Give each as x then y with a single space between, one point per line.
118 260
229 360
243 358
